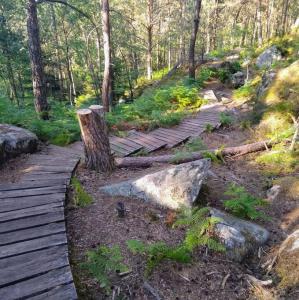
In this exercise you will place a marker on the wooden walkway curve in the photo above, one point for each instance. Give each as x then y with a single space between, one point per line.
34 260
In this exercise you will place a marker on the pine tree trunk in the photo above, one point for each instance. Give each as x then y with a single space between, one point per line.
259 24
107 78
149 39
95 137
193 39
35 53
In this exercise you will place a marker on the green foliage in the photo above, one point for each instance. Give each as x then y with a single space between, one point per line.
81 198
212 156
243 204
195 144
61 129
209 128
225 119
181 155
279 160
244 93
157 252
200 227
103 263
164 106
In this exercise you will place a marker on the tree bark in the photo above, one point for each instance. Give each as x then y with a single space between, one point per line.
230 151
107 77
259 24
150 8
193 39
95 137
35 53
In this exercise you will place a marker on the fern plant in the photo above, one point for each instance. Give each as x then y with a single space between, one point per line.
225 119
81 197
103 263
200 228
157 252
243 204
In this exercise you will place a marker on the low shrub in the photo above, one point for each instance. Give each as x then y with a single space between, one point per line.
243 204
81 197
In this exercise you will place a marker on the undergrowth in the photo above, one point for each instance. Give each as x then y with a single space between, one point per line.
103 263
243 204
81 197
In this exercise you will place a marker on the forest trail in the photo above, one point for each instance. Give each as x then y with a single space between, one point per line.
194 126
34 261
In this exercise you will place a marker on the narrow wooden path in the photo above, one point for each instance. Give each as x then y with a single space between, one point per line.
34 260
168 137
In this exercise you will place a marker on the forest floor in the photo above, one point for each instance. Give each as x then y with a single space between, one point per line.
210 275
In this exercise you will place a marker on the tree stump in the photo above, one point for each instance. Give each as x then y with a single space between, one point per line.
95 137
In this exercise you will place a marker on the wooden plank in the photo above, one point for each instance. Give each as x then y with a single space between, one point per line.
163 136
56 216
64 292
121 145
52 169
37 285
33 177
31 233
33 245
30 185
30 201
174 132
125 141
148 142
24 266
32 192
28 212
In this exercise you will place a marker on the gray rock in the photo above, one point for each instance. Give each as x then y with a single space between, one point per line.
240 237
268 57
173 187
273 193
267 79
238 79
209 95
226 100
15 140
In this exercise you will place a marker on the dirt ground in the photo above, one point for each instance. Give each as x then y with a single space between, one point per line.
98 224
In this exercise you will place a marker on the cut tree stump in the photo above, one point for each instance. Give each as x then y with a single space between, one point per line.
95 138
148 161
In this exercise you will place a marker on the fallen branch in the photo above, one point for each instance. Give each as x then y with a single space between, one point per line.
148 161
152 291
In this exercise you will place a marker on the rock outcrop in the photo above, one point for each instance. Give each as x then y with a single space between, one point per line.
268 57
173 187
240 237
238 79
15 141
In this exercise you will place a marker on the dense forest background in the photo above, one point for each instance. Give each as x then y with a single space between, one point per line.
147 39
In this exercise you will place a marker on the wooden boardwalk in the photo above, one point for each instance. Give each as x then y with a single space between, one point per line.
168 137
34 260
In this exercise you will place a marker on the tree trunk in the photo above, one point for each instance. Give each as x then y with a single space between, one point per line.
284 17
95 137
259 24
193 39
107 78
171 158
149 28
35 53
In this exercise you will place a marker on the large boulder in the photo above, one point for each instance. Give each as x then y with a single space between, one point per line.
268 57
238 79
240 237
15 141
267 79
174 187
287 265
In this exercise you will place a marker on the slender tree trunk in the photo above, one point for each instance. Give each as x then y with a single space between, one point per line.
12 81
107 77
35 53
285 15
193 39
259 24
150 8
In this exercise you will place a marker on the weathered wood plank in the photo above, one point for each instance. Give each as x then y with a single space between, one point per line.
64 292
21 267
56 216
30 201
37 285
30 185
32 192
33 245
53 169
31 233
33 177
28 212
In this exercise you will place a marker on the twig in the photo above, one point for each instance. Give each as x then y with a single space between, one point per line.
224 281
150 289
259 282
